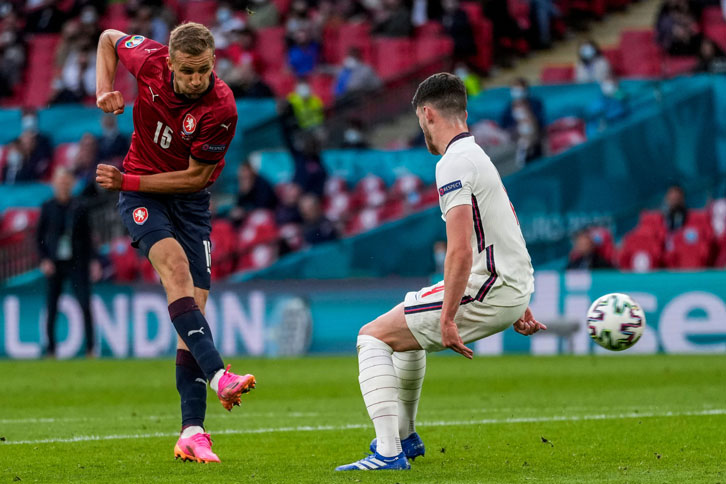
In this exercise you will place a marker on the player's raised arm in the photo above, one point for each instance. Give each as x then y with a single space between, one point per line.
191 180
107 99
456 274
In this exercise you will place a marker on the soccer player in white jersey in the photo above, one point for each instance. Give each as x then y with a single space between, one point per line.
488 280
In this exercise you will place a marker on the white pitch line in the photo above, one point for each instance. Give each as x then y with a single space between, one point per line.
47 420
321 428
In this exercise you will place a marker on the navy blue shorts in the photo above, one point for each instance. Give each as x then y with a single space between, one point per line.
150 217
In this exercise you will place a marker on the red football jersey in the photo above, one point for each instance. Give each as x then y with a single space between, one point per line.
168 127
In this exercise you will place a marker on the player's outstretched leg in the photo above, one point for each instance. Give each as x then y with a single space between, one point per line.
192 388
194 330
379 386
410 368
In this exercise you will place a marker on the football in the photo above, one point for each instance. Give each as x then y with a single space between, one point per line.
615 321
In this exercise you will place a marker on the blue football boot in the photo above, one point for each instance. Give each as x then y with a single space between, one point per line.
412 445
377 462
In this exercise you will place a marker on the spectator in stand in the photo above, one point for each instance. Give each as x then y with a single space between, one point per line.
12 54
471 81
304 54
351 10
264 15
112 144
506 30
310 174
240 69
287 211
711 58
393 19
354 136
76 61
151 22
298 18
675 210
591 66
84 164
423 11
316 228
524 119
30 155
677 29
226 23
65 246
457 26
254 192
355 76
305 108
611 106
543 12
584 255
43 16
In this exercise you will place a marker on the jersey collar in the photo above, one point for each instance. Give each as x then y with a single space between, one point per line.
456 138
183 97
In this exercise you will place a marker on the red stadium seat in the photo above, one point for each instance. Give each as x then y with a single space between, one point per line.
642 61
115 17
392 210
594 7
335 185
224 244
322 86
405 186
712 15
260 228
640 252
473 10
364 220
63 156
258 258
614 56
484 38
630 39
282 6
519 10
393 56
565 133
39 71
271 48
717 33
352 34
281 82
292 235
124 260
370 183
338 207
202 11
429 197
717 211
557 74
148 274
687 248
652 222
431 48
603 240
675 66
16 220
429 29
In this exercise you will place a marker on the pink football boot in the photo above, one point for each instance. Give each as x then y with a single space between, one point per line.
197 448
231 387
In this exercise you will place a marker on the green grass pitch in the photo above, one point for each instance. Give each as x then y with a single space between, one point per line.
626 419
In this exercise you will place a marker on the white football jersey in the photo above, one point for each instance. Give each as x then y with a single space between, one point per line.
501 268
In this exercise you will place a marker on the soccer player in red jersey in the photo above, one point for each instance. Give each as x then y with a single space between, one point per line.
184 121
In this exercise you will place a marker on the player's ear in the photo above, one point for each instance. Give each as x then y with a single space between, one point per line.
168 63
429 114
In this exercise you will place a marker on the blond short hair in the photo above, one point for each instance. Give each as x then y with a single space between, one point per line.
190 38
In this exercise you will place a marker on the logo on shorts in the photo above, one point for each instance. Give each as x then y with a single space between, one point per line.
189 124
449 188
134 41
141 215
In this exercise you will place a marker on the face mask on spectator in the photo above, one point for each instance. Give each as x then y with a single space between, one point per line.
352 136
587 52
461 72
223 14
517 92
525 129
519 113
608 88
303 90
29 123
350 62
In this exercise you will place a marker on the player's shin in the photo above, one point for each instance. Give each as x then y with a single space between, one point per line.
410 368
194 330
379 386
192 388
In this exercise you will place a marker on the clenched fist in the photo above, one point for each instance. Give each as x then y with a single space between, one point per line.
109 177
111 102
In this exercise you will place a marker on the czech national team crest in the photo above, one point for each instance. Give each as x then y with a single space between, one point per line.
189 125
141 215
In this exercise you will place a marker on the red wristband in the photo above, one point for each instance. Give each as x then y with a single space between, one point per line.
130 183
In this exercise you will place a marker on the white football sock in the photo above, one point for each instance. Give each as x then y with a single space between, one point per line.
214 382
410 367
192 430
379 386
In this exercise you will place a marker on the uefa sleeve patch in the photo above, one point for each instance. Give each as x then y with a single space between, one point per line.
449 187
214 148
133 41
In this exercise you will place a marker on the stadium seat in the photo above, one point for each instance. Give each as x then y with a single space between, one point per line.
352 34
519 10
124 260
603 240
565 133
15 220
642 61
557 74
282 6
677 65
717 33
292 235
370 183
594 7
484 38
338 207
335 185
429 29
393 56
717 211
271 48
63 156
473 10
259 257
322 86
148 274
39 71
652 222
431 48
630 39
281 81
687 248
224 244
392 210
115 17
429 197
640 252
260 228
615 57
405 186
366 219
202 11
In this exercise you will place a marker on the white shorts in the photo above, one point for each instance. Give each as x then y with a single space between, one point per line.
475 319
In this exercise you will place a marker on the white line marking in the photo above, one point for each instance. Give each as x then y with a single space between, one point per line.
321 428
47 420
